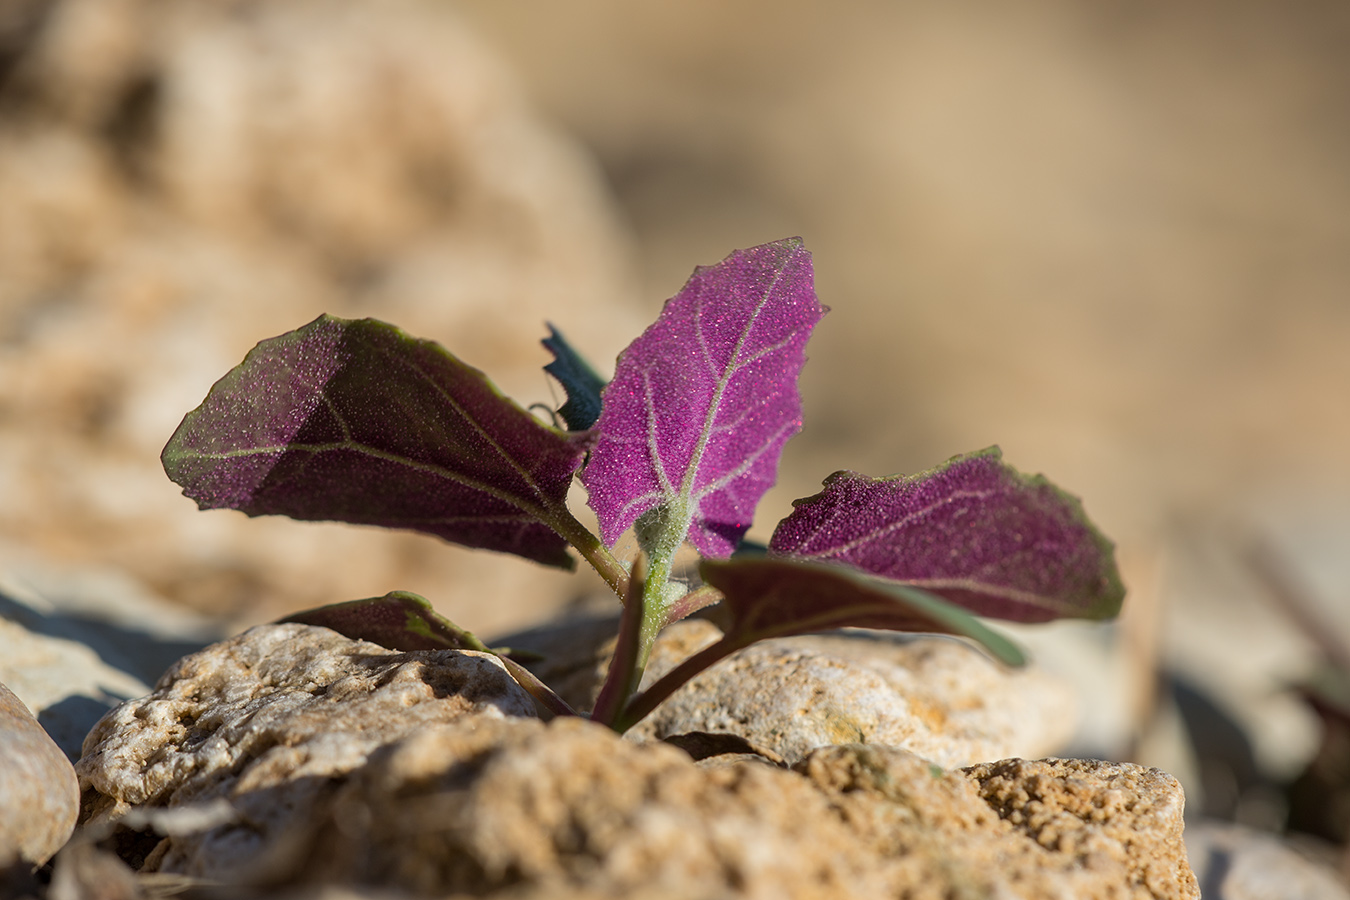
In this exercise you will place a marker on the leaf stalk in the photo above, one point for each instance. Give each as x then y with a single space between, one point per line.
625 674
642 705
592 549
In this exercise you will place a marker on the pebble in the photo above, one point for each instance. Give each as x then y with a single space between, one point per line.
39 795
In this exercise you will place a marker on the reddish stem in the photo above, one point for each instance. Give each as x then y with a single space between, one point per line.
642 705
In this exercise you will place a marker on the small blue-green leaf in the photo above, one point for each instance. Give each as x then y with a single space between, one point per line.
578 379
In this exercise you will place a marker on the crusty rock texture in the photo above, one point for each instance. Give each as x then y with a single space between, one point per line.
267 721
939 698
331 761
1102 815
39 797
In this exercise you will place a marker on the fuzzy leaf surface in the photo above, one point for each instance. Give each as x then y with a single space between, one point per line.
355 421
703 401
769 597
974 531
579 381
400 620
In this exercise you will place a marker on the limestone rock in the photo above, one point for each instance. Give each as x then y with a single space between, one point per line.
39 795
80 640
567 809
291 756
936 697
1104 815
268 720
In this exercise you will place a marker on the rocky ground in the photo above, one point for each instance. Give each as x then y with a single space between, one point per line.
1110 239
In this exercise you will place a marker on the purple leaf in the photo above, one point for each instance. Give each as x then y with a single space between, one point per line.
399 620
974 531
356 421
702 403
769 597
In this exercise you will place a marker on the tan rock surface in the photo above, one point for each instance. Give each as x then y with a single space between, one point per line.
939 698
342 763
39 795
1100 814
568 809
267 718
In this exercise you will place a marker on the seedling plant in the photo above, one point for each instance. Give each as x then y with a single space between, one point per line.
355 421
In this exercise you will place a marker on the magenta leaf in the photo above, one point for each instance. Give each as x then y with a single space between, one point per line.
973 530
356 421
768 597
400 620
702 403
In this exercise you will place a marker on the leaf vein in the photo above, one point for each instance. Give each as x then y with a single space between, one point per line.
897 524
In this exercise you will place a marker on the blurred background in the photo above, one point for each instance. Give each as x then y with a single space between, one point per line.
1111 237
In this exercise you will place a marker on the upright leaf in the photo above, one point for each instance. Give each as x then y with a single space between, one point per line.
356 421
702 403
580 382
973 530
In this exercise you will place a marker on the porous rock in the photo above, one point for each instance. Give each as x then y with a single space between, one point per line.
340 763
268 721
568 809
1104 815
939 698
39 796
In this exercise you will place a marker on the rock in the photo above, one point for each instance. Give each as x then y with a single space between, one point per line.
1237 863
1101 814
181 181
39 795
80 640
335 762
568 809
936 697
267 720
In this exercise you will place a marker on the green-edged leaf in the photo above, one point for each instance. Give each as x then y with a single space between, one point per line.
974 530
399 620
356 421
769 597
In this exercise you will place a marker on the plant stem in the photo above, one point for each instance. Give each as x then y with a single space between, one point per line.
624 675
692 602
660 533
592 549
641 705
644 615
